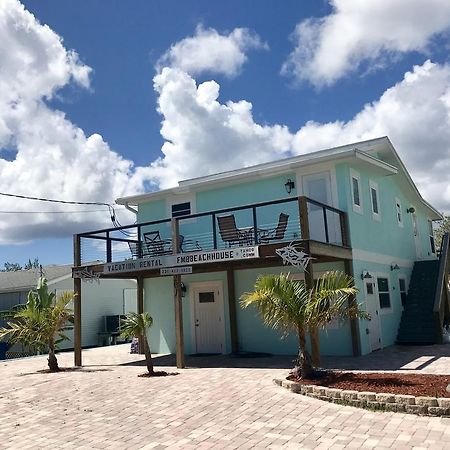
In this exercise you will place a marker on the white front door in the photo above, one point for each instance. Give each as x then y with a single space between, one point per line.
208 318
416 236
373 308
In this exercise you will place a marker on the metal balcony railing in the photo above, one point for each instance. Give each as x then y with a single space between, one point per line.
266 223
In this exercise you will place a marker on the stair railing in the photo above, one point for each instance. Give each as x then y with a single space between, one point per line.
441 299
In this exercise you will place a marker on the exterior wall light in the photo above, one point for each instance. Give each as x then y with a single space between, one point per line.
394 267
289 185
365 275
183 289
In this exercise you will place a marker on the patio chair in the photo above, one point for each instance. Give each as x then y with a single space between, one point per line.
157 246
229 233
188 245
274 234
134 246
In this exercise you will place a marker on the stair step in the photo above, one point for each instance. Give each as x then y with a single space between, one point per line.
417 321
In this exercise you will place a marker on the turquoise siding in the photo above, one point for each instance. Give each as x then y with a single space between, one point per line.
159 303
154 210
384 236
384 241
244 193
253 335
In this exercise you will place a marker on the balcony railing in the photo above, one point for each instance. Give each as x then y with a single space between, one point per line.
285 220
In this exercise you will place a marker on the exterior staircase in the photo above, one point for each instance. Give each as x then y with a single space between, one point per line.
417 325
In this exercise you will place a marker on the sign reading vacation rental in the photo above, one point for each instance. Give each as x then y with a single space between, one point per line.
182 259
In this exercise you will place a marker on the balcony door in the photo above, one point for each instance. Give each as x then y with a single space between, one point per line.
318 187
208 330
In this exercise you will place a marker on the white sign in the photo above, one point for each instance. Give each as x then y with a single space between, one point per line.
182 259
176 270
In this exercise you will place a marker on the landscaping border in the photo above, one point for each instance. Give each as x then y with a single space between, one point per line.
426 406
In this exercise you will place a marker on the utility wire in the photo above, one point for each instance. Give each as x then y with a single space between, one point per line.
54 212
42 199
112 212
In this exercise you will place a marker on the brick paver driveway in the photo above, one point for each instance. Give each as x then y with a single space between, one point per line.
230 404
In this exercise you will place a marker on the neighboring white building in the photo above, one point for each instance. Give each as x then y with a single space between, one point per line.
100 299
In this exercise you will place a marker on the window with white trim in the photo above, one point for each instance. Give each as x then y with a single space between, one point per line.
374 200
398 212
355 182
384 295
431 233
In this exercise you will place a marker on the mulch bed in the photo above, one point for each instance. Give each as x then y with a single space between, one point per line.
157 373
389 383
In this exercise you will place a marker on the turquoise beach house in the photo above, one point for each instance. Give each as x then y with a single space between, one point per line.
204 242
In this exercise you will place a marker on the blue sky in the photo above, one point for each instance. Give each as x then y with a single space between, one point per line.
316 73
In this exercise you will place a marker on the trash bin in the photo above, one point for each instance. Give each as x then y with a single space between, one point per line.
4 346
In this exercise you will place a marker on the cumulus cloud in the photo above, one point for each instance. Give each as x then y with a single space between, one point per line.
211 52
41 152
203 136
357 32
415 114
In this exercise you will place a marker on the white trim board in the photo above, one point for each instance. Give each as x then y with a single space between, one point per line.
379 258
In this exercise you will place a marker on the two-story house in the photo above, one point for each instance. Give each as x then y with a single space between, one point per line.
204 243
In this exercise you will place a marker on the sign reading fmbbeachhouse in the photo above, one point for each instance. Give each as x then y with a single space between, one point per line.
182 259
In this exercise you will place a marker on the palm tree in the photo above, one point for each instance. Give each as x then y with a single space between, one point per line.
289 305
41 322
135 324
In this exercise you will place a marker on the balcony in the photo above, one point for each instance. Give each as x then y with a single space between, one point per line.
267 226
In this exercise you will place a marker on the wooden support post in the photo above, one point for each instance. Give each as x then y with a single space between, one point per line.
232 311
178 301
303 217
77 303
314 333
354 323
140 310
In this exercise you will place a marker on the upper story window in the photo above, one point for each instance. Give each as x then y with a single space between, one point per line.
398 212
181 209
431 233
383 293
374 200
355 181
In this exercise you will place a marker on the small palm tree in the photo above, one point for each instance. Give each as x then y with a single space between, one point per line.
134 325
289 305
41 322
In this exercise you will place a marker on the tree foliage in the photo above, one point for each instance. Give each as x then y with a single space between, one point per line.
11 267
289 306
135 325
32 264
444 227
14 267
41 322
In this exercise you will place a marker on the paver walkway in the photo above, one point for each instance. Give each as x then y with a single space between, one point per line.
105 405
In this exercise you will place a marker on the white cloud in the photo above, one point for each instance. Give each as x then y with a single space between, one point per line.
415 114
51 156
211 52
357 32
204 136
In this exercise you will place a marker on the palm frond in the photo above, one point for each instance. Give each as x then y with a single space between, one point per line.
135 324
